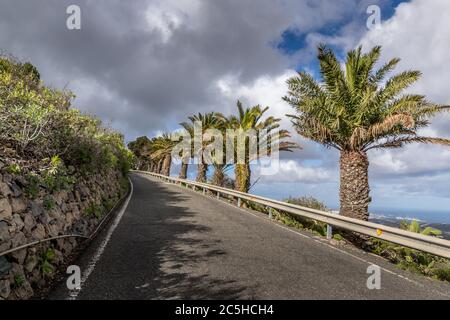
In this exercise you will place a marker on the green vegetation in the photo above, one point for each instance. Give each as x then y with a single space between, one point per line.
308 202
32 189
18 280
13 168
39 128
207 121
48 203
354 109
252 118
414 226
108 203
155 154
316 227
94 210
45 262
410 259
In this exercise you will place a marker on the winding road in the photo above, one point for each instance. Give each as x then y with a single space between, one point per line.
170 242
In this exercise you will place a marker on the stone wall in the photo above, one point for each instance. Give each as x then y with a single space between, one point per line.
24 219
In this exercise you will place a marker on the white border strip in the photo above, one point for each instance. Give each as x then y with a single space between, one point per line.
91 266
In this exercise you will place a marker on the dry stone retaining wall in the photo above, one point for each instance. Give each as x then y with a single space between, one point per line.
24 219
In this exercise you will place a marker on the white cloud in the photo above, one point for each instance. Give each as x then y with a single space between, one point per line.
418 33
386 163
267 90
414 160
292 171
166 16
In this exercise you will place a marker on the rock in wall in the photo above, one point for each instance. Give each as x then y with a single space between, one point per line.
25 218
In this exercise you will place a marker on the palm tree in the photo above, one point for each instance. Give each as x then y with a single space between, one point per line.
354 111
161 152
220 164
252 119
184 168
207 121
189 127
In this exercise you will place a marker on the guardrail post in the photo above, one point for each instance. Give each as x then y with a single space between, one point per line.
239 202
218 195
204 191
270 213
329 232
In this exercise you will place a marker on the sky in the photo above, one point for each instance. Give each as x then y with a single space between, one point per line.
143 66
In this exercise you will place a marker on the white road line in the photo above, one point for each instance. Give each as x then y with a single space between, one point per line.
91 266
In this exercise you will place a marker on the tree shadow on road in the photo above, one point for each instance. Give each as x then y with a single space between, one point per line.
171 247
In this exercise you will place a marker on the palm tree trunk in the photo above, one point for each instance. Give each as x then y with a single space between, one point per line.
354 188
166 165
160 165
201 173
242 175
218 176
183 171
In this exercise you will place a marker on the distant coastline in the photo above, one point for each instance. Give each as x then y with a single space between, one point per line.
435 219
393 217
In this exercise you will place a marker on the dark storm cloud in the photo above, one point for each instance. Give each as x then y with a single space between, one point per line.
117 50
122 67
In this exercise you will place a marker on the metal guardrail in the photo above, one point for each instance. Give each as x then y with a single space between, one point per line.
428 244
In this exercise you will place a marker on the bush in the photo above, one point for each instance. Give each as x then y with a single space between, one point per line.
32 189
308 202
409 259
94 210
48 203
317 227
38 122
14 169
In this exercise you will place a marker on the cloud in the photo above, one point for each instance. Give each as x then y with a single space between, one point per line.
158 60
144 66
292 171
418 33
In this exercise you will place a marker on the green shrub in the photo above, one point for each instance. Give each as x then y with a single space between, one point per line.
49 203
338 237
94 210
38 122
45 262
308 202
443 273
317 227
32 189
18 280
414 226
14 168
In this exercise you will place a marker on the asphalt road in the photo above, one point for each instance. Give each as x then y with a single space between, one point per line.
174 243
